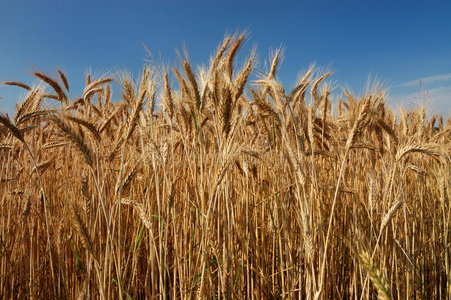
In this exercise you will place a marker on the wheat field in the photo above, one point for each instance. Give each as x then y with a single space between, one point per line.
211 185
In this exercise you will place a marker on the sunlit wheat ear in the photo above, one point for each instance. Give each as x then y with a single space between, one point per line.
231 55
314 91
440 123
443 133
54 144
340 107
168 103
88 79
242 78
228 159
19 84
326 91
220 54
226 111
116 148
133 121
6 146
91 87
107 120
55 85
64 79
391 212
308 239
372 192
383 290
43 166
274 63
128 89
310 128
27 128
265 107
86 124
82 229
88 97
276 92
85 193
184 91
78 142
51 96
11 127
128 179
107 95
194 89
183 118
28 105
37 113
358 123
149 86
296 98
427 149
417 169
141 210
388 130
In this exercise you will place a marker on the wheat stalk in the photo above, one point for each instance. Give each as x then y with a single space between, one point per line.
383 291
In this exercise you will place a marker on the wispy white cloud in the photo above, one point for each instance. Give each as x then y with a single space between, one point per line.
426 80
437 100
441 100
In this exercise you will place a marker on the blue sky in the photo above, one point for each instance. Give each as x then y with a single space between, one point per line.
398 42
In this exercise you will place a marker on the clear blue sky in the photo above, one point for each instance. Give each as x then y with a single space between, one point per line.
397 41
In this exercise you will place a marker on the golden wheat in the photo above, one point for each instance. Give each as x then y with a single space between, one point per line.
234 189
